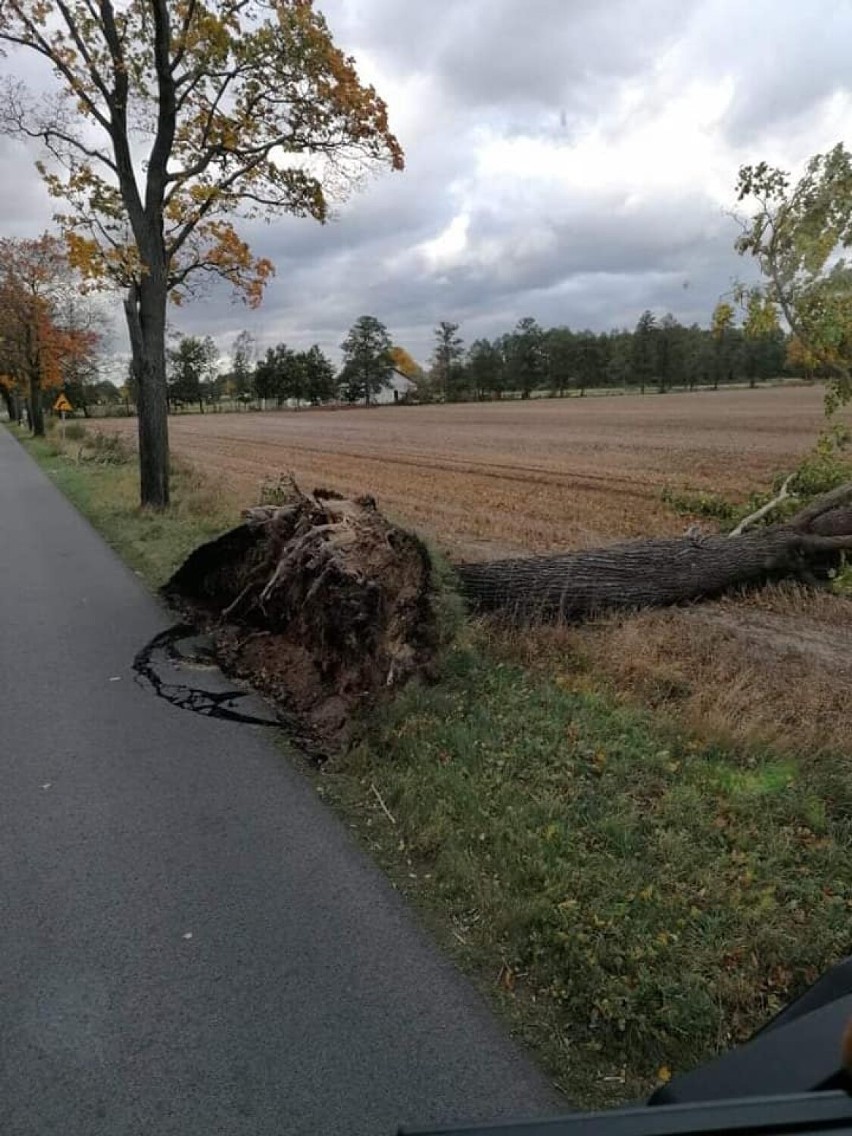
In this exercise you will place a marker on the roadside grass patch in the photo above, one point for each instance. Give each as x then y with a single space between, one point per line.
634 899
106 491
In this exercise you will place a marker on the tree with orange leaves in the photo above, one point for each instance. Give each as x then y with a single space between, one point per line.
35 347
173 116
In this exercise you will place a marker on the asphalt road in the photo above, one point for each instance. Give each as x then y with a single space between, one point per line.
190 942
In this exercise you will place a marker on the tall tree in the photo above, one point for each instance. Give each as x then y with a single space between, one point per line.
669 352
721 328
81 363
191 368
367 360
320 381
271 375
645 350
797 235
763 338
562 357
527 356
485 368
589 360
447 357
170 118
243 356
619 365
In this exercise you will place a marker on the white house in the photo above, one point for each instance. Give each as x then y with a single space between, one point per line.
399 386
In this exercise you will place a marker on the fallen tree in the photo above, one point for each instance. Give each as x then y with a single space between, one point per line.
654 573
324 604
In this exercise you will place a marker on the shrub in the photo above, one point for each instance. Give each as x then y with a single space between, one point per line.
105 449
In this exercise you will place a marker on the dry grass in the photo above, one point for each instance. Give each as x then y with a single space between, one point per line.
772 669
491 479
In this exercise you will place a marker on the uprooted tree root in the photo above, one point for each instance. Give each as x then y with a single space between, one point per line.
325 605
321 603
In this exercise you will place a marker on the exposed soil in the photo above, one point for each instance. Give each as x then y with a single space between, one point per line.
320 603
785 634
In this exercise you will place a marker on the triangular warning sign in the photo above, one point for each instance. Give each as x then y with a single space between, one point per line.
62 405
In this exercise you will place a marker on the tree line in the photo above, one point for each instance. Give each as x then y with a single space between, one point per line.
50 342
282 375
658 354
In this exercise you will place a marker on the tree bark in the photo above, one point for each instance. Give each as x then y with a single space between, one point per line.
36 407
145 308
13 406
651 573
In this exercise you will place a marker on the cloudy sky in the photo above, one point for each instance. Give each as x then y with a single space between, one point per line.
573 160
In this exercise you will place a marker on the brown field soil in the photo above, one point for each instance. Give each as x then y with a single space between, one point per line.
492 479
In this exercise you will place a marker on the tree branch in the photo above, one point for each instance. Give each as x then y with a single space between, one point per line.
117 127
167 111
38 43
822 505
759 514
94 74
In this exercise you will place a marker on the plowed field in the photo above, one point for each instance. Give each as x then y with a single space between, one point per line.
500 478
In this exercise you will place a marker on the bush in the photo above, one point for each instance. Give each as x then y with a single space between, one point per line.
699 504
105 449
827 467
75 431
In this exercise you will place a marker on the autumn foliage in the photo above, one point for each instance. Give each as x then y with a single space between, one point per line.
36 345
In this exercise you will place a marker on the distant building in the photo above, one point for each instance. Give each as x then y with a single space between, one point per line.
396 391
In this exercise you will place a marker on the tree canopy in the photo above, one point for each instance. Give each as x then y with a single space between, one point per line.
798 234
40 339
368 360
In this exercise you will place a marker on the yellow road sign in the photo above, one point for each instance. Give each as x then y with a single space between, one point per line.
62 405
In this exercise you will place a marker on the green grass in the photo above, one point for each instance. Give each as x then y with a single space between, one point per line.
629 899
632 899
152 543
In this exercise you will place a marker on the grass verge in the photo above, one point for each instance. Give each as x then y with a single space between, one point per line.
630 897
106 490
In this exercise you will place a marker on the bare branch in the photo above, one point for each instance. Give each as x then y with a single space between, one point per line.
36 41
765 510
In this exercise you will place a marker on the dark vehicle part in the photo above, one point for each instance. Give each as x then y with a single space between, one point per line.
791 1077
803 1114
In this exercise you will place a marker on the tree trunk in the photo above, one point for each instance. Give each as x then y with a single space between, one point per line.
651 573
36 406
145 308
13 407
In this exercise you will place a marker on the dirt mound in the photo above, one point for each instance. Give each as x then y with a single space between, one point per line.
320 603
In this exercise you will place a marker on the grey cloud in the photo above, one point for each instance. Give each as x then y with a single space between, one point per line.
785 59
25 208
590 267
497 53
